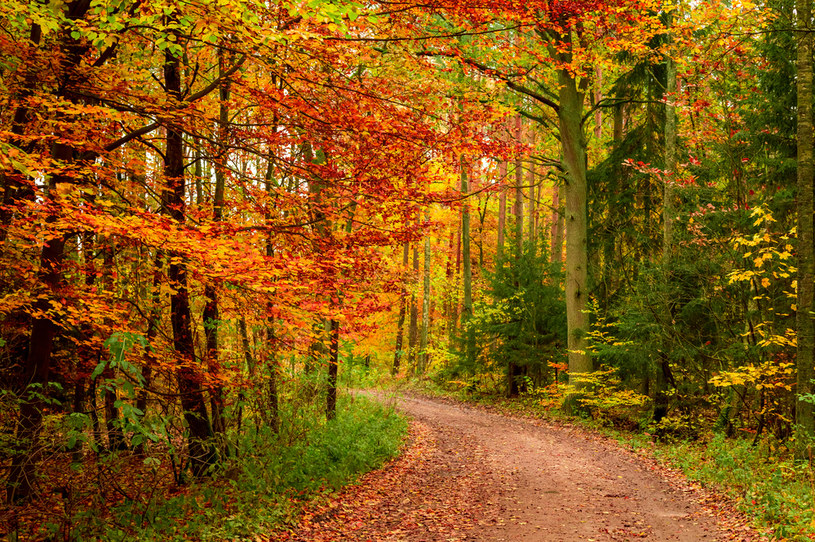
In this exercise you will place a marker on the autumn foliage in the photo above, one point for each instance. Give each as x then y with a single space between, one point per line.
209 207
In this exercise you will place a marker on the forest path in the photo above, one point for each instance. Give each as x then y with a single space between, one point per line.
471 474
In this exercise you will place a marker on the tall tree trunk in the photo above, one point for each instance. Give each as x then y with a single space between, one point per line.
271 347
806 212
116 438
598 97
514 371
251 364
570 116
272 388
37 365
413 333
518 209
532 216
467 309
149 358
558 223
403 299
19 484
13 189
664 376
454 313
423 356
333 369
211 314
199 443
668 210
502 215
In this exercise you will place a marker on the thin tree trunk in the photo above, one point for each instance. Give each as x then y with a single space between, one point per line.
453 276
272 390
423 356
598 97
531 224
271 347
413 333
211 314
403 299
248 358
664 376
518 209
199 443
116 438
502 216
467 309
149 358
333 369
668 210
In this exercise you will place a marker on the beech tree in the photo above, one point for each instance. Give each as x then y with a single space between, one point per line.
806 216
558 92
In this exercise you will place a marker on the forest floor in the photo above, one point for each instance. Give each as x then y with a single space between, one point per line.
470 474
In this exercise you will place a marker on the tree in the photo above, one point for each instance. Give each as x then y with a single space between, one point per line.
805 360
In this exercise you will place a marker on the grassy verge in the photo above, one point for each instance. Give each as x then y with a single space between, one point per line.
266 485
776 492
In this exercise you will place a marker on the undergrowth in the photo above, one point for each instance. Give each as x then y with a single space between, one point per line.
263 484
765 481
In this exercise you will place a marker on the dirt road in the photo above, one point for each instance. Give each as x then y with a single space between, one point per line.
474 475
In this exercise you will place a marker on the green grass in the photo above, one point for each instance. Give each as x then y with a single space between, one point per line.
274 476
771 488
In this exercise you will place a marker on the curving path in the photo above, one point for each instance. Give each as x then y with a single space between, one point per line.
474 475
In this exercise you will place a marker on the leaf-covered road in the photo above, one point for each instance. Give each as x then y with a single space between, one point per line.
469 474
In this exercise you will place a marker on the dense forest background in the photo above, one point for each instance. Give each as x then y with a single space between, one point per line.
212 210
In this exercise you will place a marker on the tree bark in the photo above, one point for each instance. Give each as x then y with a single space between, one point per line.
400 326
333 369
199 442
467 309
149 358
44 329
454 295
211 314
518 209
570 116
413 333
13 189
272 388
664 376
116 438
502 216
558 222
423 356
532 217
806 211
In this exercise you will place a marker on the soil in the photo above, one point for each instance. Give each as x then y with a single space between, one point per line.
470 474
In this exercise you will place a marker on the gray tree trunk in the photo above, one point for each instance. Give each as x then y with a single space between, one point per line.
467 309
502 214
423 342
570 117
